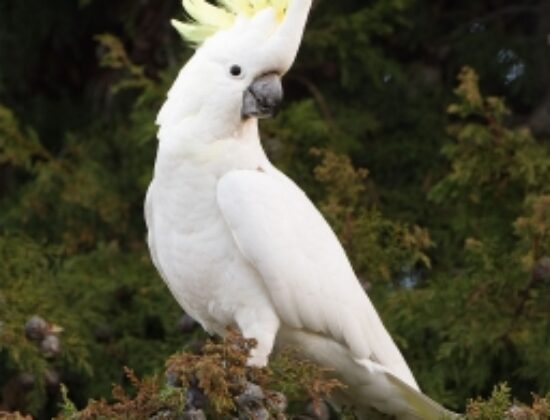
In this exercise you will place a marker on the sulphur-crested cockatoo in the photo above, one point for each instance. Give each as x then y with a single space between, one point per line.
235 240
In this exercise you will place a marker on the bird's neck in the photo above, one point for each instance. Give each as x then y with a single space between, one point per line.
237 149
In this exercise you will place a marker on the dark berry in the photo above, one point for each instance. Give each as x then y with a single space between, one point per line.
252 393
195 397
50 346
276 401
36 328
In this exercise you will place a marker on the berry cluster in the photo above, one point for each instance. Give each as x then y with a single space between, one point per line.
46 336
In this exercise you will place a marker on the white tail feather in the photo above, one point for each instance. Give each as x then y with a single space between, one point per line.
368 384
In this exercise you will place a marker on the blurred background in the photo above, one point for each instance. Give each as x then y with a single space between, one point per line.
421 129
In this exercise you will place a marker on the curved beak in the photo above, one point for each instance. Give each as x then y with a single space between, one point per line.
263 97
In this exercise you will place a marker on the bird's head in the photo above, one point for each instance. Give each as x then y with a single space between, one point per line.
244 47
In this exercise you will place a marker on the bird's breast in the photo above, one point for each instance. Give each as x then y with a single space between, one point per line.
194 249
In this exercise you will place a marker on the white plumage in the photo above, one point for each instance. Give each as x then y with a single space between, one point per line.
239 244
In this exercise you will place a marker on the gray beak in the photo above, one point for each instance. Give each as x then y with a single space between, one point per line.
263 97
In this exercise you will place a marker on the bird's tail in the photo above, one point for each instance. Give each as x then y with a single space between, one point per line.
423 407
368 384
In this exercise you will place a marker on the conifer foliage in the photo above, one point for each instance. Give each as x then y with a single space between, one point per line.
438 187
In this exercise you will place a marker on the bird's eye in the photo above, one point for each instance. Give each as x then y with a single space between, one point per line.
235 70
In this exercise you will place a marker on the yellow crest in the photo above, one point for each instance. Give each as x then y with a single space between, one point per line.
207 19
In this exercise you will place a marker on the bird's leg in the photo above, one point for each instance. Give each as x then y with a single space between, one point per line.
261 325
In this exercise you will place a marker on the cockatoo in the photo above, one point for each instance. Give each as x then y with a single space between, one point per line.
237 242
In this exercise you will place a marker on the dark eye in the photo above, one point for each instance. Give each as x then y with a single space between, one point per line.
235 70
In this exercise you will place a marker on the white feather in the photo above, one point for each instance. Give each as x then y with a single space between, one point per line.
239 244
304 267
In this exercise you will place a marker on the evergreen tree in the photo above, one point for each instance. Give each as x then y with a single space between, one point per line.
440 194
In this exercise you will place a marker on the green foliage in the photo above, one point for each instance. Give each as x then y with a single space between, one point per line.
382 249
449 228
494 408
25 263
500 406
491 312
151 397
221 373
115 57
490 162
74 253
68 409
300 379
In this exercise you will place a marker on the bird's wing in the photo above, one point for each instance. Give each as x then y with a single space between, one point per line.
303 265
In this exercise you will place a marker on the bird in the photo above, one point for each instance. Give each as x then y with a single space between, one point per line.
236 241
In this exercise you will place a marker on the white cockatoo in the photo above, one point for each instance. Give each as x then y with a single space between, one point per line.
236 241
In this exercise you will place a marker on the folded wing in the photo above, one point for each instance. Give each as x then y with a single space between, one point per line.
303 265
